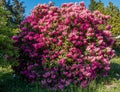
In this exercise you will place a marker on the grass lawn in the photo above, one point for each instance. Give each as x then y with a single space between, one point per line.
111 83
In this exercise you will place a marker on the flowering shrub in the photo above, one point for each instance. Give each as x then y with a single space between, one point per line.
63 46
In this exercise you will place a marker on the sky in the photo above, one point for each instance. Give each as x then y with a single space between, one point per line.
29 4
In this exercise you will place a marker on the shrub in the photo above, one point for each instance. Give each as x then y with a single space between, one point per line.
63 46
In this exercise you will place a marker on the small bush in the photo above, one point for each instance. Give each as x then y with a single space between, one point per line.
63 46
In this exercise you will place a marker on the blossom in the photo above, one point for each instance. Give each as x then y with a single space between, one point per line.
15 38
83 83
108 27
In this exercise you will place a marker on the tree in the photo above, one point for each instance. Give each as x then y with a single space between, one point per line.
6 32
92 5
16 9
96 6
114 12
111 10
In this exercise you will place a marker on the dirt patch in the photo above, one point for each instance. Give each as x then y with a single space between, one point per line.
109 86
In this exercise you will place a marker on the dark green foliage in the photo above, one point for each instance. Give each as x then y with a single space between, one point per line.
116 46
11 14
92 5
16 9
4 31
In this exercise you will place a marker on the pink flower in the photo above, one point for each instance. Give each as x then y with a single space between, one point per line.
96 12
60 43
69 54
79 60
64 5
67 83
15 38
82 4
60 86
43 82
107 33
100 42
67 21
108 27
49 80
90 30
31 76
83 83
36 65
53 76
107 68
46 75
107 17
65 73
61 61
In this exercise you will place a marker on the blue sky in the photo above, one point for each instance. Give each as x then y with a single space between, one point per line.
29 4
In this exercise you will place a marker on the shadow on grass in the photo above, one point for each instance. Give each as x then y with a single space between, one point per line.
115 70
113 75
10 84
5 82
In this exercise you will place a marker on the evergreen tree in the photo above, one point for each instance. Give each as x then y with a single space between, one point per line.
96 6
100 6
6 32
111 10
16 9
92 5
114 12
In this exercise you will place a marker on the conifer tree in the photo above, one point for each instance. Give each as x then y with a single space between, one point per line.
111 10
6 32
92 5
16 9
114 12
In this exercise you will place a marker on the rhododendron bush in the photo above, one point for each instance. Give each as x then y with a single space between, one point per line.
63 46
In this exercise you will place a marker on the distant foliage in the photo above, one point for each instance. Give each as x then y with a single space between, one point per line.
16 9
63 46
5 34
10 17
111 10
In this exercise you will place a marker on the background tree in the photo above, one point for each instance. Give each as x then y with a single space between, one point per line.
92 5
114 12
5 33
111 10
16 9
11 14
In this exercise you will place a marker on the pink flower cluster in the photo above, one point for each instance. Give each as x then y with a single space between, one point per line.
63 46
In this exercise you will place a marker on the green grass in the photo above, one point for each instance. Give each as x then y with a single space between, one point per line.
111 83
